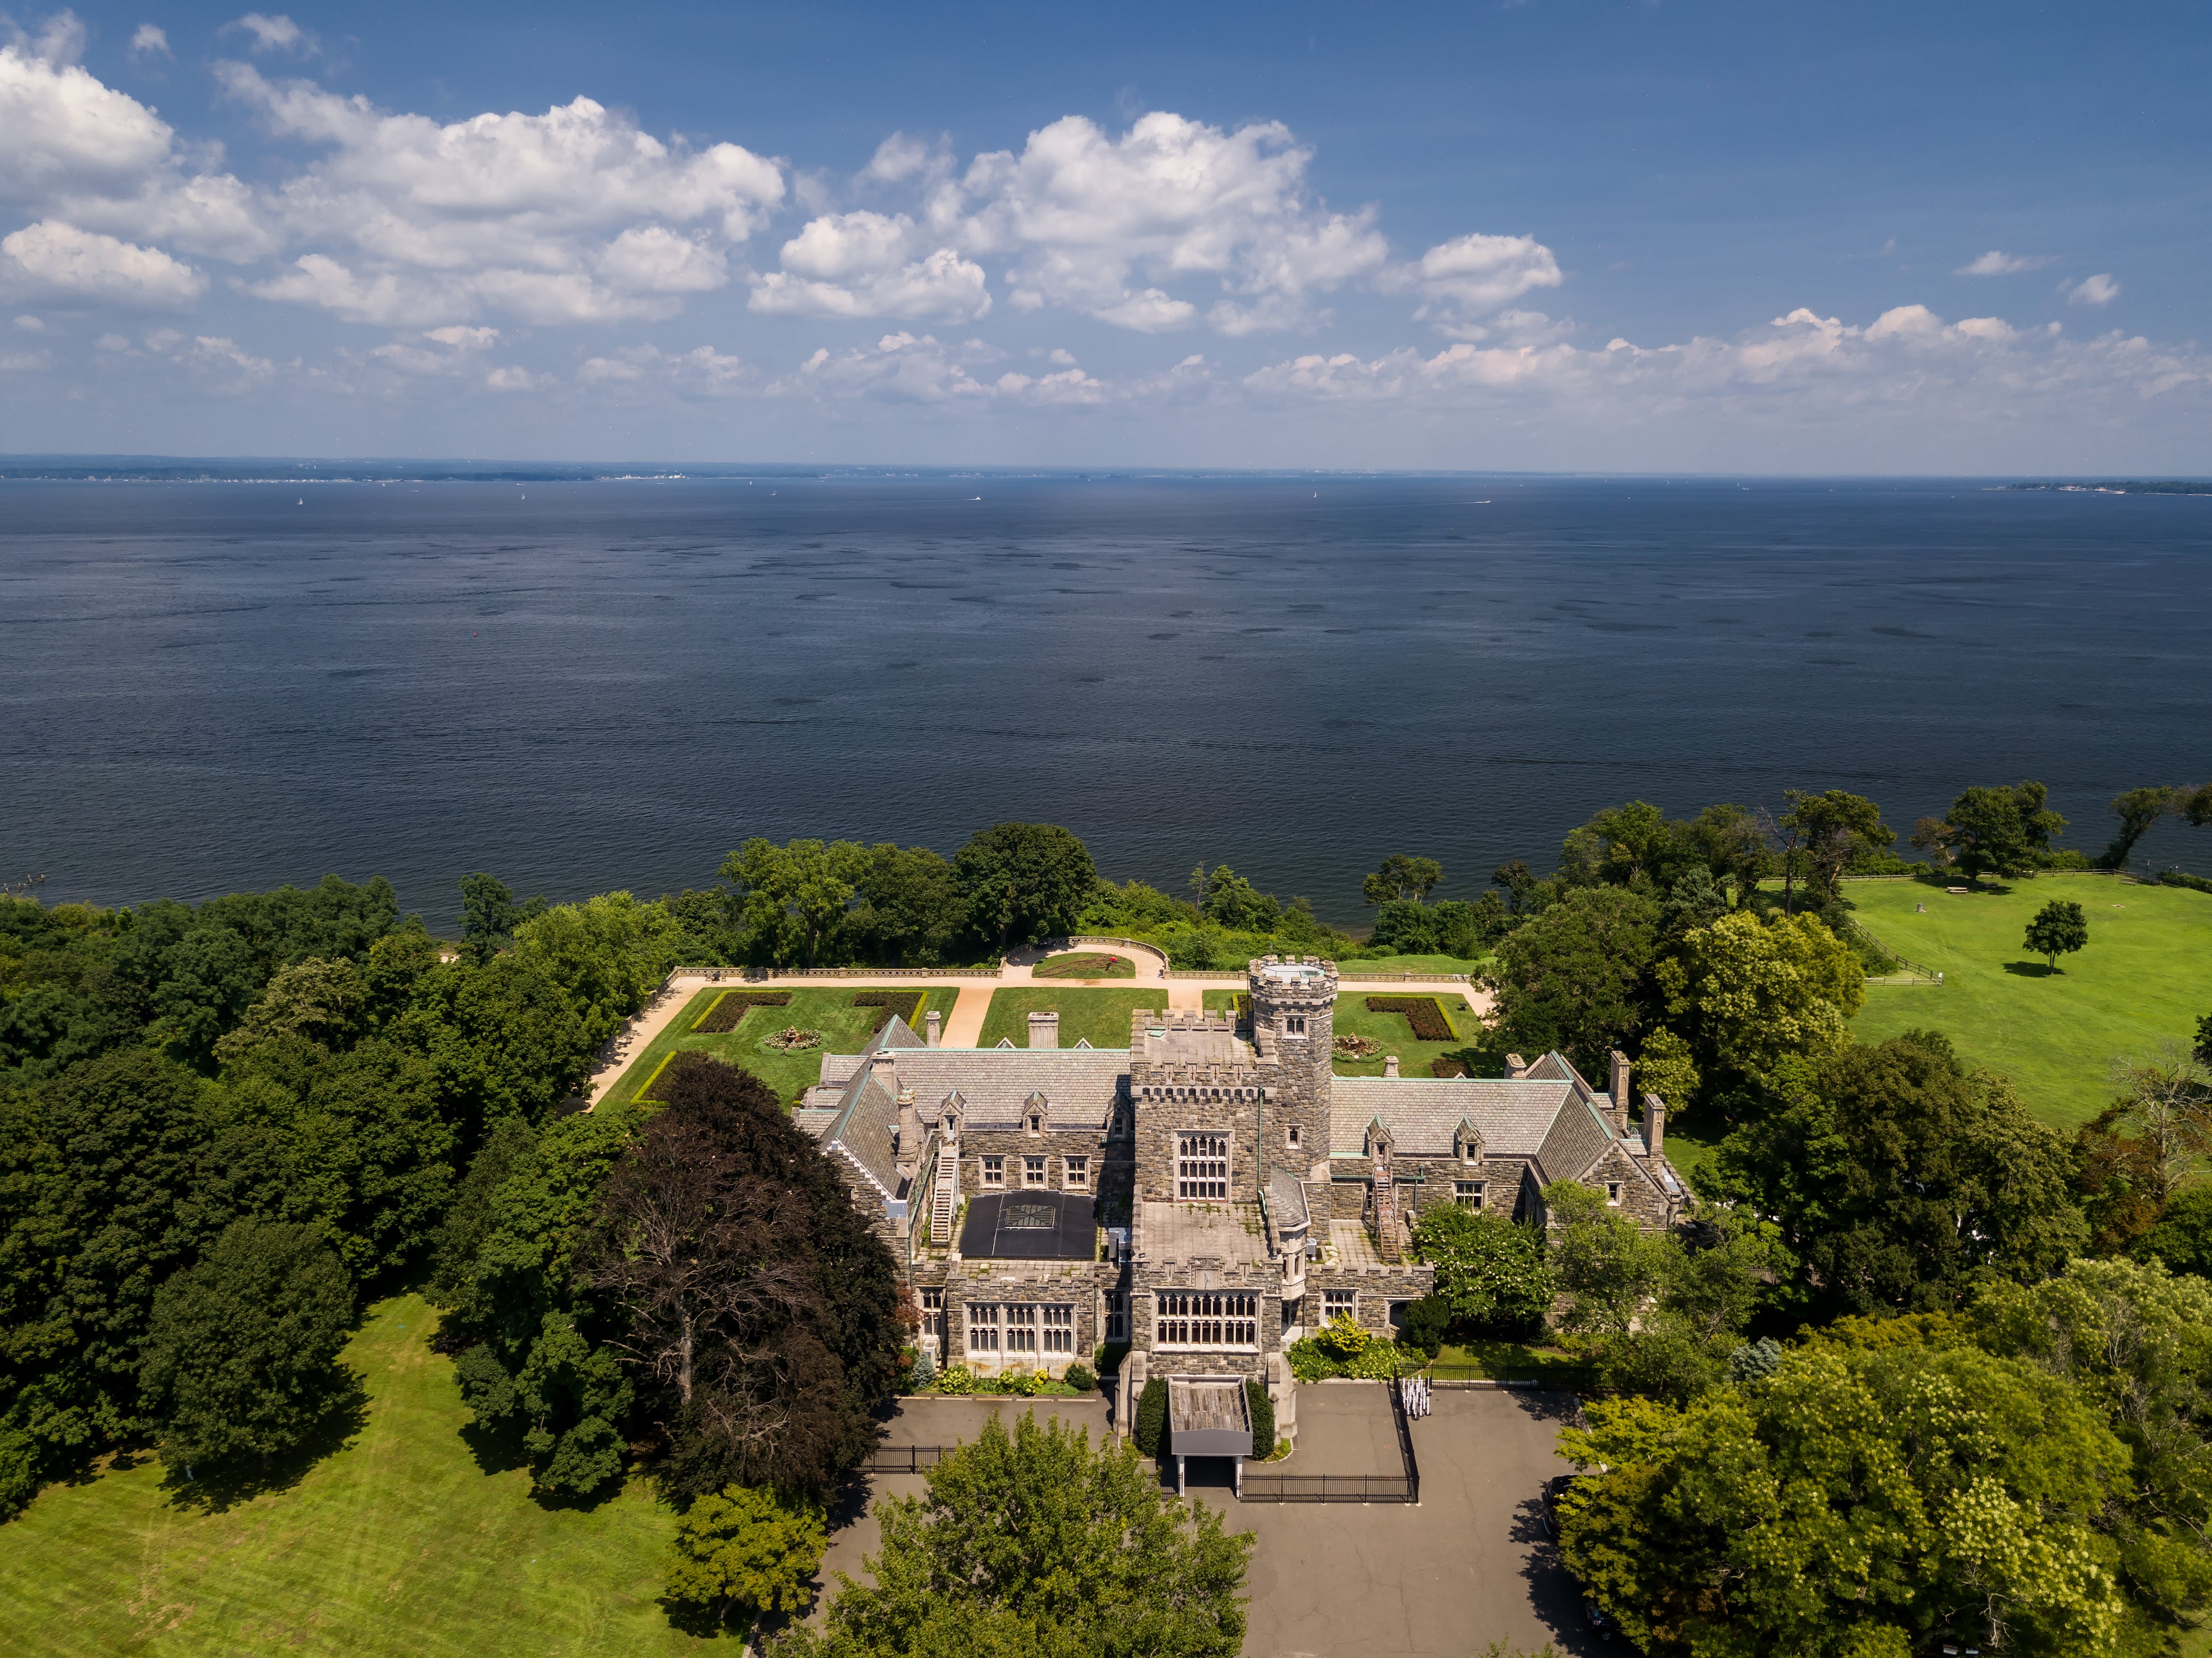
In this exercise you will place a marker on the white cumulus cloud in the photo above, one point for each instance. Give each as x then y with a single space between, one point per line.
277 33
871 265
1473 275
149 41
61 259
2099 289
574 216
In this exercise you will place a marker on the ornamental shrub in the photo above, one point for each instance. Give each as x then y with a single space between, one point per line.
1426 1320
1383 1361
924 1373
1152 1417
1343 1338
1263 1420
1309 1363
1079 1377
956 1379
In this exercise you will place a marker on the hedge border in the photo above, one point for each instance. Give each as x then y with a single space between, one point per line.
1425 1014
746 1000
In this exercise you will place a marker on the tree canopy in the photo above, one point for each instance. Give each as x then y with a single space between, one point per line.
1037 1541
2059 928
1577 976
1023 882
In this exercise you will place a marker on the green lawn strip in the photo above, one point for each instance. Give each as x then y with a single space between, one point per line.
2145 979
397 1545
1098 1016
1093 965
1435 964
1509 1361
828 1008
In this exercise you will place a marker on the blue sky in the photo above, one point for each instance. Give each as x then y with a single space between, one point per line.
1588 236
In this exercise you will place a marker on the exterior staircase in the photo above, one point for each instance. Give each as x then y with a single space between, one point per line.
1386 1208
947 1190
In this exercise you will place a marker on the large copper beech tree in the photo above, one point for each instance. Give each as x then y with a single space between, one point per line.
762 1317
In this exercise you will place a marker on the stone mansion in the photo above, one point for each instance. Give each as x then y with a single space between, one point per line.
1207 1195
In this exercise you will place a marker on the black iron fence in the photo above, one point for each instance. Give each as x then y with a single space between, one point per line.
1405 1441
1329 1488
906 1459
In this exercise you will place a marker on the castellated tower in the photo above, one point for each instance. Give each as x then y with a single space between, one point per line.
1293 1025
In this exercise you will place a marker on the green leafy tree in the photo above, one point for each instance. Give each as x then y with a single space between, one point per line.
1751 992
1606 1268
2137 1342
2004 832
2138 1153
489 913
2059 929
1037 1542
2139 810
2182 1234
795 896
242 1352
1491 1273
758 1311
742 1553
1400 878
1634 844
1234 902
1023 882
321 999
1835 826
1900 1179
1855 1504
1577 976
909 905
1151 1425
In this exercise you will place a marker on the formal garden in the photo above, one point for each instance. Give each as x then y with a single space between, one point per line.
1100 1017
780 1035
1431 1034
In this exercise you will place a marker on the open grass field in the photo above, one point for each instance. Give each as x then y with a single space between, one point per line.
1391 1030
398 1545
844 1029
1511 1361
1086 965
2145 978
1098 1016
1418 964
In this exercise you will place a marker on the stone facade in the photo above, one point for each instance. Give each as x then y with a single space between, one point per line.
1240 1192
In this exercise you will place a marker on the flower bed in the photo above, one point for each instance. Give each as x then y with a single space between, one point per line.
732 1005
907 1004
1086 966
1425 1013
792 1040
1351 1047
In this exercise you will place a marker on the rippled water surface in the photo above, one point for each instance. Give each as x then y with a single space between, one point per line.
581 685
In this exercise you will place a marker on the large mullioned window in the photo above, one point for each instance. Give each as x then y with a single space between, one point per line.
1188 1318
1201 1165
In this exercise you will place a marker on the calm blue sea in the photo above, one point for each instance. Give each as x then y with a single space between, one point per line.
580 685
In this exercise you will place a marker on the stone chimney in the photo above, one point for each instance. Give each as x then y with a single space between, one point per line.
935 1022
910 1133
1618 1089
1391 1064
1655 1125
1044 1030
1516 1067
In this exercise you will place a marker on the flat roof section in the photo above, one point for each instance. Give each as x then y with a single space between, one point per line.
1030 1226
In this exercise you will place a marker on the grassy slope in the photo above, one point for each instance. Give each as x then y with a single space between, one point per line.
1418 964
397 1544
1095 965
1099 1016
844 1029
2145 977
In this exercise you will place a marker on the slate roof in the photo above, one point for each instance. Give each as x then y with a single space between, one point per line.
1286 1201
1577 1139
1080 1085
1423 1114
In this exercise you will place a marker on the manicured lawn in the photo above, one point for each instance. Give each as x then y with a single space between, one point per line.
1085 966
1391 1030
1098 1016
1417 964
845 1029
2145 978
396 1545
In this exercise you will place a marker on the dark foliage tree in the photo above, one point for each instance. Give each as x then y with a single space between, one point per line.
909 906
488 916
2181 1236
1023 882
2004 832
508 1146
2138 810
759 1313
1620 845
1234 902
1836 826
100 1173
1901 1180
1519 884
2059 928
1400 878
1037 1542
241 1352
1578 977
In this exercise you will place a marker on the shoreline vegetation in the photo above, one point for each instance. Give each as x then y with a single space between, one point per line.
297 1111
